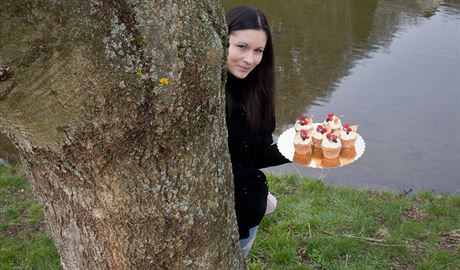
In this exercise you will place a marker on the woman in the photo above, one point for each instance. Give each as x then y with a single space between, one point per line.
250 116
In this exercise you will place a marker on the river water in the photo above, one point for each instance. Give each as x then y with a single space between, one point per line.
391 66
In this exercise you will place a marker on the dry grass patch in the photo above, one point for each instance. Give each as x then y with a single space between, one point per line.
416 212
450 240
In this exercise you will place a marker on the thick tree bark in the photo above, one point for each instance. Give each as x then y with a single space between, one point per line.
117 109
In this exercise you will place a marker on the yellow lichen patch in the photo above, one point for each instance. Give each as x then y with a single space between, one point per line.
164 81
139 72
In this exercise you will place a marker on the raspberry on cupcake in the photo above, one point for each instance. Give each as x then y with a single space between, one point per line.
332 121
303 123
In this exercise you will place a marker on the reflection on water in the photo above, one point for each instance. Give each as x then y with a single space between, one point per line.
390 66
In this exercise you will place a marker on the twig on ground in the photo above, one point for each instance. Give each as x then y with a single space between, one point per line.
373 241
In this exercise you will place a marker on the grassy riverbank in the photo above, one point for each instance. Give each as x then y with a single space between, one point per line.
316 226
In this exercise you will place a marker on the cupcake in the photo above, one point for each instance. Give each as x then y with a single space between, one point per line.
331 146
303 123
332 121
318 135
348 135
302 142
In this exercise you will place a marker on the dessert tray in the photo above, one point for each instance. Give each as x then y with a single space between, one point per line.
316 159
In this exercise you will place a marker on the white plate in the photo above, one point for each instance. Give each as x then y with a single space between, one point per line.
316 160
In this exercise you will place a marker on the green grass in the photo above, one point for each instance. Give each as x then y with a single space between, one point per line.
24 243
316 226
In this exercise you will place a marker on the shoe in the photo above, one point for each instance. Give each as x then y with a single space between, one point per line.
271 204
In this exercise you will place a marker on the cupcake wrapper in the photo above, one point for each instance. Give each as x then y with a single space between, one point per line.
331 152
348 143
301 158
330 162
348 152
303 149
316 142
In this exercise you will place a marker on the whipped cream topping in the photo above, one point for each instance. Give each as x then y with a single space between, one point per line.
317 135
330 144
299 140
299 127
335 123
350 136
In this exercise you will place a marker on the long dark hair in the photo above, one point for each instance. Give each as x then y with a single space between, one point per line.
257 89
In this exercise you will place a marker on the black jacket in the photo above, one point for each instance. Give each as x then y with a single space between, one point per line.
249 152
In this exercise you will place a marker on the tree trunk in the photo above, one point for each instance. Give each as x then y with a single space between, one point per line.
117 109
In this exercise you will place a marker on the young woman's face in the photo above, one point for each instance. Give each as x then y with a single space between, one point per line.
245 51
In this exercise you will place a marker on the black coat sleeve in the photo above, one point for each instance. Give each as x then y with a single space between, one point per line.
268 154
